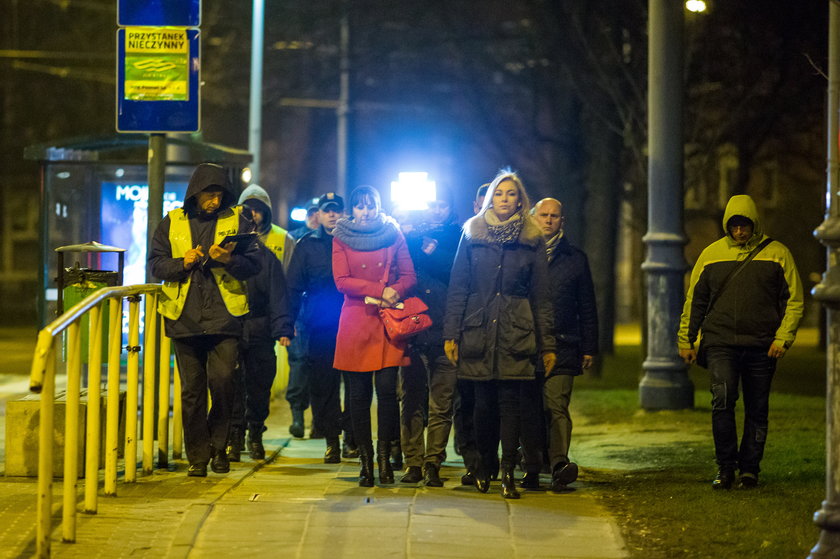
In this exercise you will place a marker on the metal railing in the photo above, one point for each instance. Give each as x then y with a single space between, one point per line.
42 381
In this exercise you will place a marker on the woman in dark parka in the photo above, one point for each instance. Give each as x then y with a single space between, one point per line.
499 321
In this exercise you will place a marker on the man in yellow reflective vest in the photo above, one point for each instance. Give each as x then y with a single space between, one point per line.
267 321
203 299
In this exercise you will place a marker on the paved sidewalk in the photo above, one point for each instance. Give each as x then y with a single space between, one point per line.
297 506
294 505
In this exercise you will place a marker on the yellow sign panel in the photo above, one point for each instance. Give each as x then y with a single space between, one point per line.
154 40
156 64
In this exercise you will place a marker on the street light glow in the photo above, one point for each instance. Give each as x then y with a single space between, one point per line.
298 214
695 6
413 191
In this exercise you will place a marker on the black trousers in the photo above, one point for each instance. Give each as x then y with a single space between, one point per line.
206 362
361 387
297 391
254 377
324 385
463 425
754 369
500 406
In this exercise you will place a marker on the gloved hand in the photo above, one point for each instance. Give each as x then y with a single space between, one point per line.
450 348
549 359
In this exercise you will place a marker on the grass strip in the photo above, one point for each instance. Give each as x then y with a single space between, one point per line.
653 469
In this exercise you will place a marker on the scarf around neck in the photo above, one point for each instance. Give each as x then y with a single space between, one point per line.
503 232
380 233
551 244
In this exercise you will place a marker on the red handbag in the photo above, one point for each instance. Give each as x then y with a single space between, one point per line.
402 324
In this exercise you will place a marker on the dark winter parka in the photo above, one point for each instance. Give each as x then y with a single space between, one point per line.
498 306
315 299
575 313
433 274
204 311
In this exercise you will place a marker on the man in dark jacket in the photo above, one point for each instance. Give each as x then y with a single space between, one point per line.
267 321
748 321
575 331
316 303
432 246
203 299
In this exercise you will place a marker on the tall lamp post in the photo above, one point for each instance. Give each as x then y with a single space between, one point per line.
666 384
255 106
827 292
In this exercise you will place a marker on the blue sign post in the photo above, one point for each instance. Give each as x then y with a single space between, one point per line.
158 64
159 13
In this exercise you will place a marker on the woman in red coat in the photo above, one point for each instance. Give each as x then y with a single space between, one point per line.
364 246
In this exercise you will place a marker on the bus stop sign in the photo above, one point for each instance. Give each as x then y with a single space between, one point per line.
158 79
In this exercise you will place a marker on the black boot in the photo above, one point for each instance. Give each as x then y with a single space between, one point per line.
383 459
366 472
508 484
431 475
349 451
255 444
296 428
333 453
531 480
724 479
396 455
412 475
219 462
235 444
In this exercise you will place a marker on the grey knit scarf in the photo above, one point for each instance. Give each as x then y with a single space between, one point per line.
504 232
380 233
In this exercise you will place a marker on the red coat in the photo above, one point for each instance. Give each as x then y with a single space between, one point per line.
361 343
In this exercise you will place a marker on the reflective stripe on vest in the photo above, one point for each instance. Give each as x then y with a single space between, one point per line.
275 241
174 293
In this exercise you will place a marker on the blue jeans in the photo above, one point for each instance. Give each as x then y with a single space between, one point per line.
754 369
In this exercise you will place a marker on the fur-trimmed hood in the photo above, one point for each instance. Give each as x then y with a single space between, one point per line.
477 231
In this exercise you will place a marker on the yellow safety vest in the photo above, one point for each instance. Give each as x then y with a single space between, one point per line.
174 293
275 241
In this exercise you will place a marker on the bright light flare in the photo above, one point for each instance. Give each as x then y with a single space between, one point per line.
695 6
413 191
298 214
246 175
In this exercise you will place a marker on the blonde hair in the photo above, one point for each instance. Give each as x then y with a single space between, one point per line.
507 175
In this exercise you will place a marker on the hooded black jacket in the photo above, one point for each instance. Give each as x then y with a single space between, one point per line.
204 310
268 315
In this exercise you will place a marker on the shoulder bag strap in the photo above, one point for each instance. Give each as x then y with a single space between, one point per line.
735 271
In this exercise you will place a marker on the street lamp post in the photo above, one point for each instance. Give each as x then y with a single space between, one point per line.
255 107
666 384
827 292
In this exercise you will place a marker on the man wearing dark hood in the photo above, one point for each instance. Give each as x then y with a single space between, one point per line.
745 302
203 299
267 321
